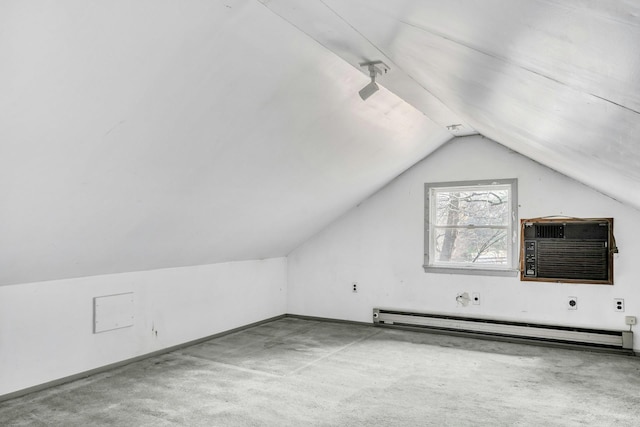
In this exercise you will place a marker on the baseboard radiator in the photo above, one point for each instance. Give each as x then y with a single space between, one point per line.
617 341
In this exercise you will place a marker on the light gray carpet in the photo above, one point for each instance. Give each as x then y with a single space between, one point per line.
295 372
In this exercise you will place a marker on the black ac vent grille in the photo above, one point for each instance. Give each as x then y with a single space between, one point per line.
567 259
550 231
569 250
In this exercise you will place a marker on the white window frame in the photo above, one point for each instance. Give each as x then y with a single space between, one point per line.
432 266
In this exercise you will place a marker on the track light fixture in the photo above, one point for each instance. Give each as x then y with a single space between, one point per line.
374 67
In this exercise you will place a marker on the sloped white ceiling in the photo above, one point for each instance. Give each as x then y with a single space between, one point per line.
146 134
556 80
143 134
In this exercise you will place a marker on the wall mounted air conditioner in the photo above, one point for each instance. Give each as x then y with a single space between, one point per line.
577 250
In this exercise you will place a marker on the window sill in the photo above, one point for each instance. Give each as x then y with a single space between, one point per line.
471 271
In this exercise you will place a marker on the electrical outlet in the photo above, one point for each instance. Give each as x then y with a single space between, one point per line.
572 303
476 298
618 304
354 286
630 320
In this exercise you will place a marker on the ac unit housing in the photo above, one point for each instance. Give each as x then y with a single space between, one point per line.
567 250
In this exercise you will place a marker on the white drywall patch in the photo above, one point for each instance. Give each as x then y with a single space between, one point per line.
112 312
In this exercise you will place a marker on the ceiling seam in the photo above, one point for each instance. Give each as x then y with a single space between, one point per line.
390 59
591 12
513 63
265 4
356 30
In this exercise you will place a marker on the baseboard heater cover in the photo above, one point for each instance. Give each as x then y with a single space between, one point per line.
596 338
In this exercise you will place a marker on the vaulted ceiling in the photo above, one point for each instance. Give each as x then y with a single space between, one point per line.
146 134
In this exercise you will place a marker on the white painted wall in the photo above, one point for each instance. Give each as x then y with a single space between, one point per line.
46 328
379 244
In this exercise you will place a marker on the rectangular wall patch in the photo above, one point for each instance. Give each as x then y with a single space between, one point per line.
112 312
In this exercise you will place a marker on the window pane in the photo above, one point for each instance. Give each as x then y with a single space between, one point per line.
469 227
480 246
472 207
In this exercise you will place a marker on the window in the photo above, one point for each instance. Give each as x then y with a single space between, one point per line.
470 227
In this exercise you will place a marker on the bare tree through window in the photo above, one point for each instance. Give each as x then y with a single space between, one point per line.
471 225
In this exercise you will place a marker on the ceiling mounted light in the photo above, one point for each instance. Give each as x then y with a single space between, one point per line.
374 67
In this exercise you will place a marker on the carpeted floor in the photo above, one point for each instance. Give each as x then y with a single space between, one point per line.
295 372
